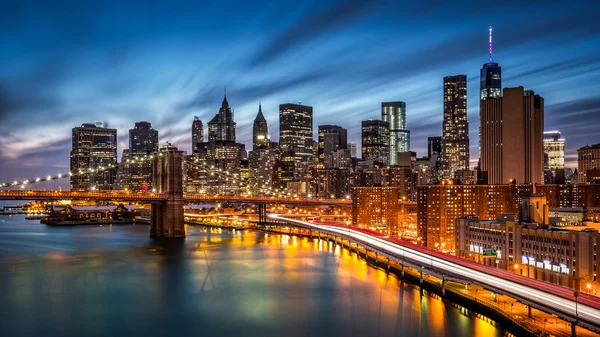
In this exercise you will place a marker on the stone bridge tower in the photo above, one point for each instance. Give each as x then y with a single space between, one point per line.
167 177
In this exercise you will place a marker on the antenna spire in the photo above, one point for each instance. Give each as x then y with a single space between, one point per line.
490 45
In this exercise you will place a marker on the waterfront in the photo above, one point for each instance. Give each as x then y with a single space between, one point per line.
115 280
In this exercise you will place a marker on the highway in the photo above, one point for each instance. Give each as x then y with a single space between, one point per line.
554 297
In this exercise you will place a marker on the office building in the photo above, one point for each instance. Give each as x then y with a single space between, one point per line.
143 142
262 166
438 206
296 134
564 255
434 146
222 126
511 137
376 141
352 149
260 131
330 138
376 208
554 157
394 113
490 76
197 134
333 183
455 130
223 162
588 158
94 150
571 195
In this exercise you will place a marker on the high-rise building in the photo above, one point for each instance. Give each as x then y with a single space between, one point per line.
222 126
490 77
262 165
554 157
395 114
352 149
224 160
376 141
455 139
143 141
438 207
197 133
296 133
260 131
376 208
588 158
94 150
331 138
554 150
511 137
434 145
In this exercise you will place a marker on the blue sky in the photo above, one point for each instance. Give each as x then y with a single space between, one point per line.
122 62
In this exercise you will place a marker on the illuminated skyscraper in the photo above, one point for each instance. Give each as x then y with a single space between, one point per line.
143 141
222 126
395 114
197 133
331 138
554 151
94 150
260 131
491 77
455 130
376 141
296 132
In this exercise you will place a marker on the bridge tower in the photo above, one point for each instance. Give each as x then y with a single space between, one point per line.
167 177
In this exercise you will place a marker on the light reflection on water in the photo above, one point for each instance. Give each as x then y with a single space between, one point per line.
115 280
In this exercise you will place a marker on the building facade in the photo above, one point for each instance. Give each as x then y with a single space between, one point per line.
455 129
588 158
296 134
511 137
260 131
222 127
376 208
394 113
197 133
376 141
330 138
143 142
438 207
434 145
93 150
564 256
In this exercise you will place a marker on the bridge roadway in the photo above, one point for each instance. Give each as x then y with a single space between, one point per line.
160 197
583 310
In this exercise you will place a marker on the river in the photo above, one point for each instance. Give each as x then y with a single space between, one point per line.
116 281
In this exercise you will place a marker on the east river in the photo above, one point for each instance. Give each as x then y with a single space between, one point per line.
116 281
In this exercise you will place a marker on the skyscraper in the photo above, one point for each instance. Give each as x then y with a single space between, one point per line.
222 126
143 141
455 131
331 138
260 131
376 141
296 132
94 150
352 149
197 133
490 77
554 151
434 145
395 114
512 137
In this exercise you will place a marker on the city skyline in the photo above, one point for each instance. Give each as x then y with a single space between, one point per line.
74 81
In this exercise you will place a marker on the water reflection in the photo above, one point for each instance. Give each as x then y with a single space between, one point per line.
98 281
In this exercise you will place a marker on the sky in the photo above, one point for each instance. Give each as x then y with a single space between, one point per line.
120 62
